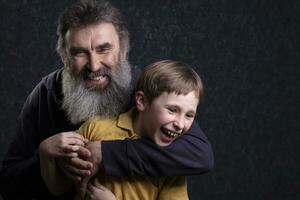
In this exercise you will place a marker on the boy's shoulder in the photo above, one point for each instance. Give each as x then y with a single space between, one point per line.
100 122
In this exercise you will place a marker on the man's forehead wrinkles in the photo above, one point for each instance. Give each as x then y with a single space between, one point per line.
105 45
93 36
102 46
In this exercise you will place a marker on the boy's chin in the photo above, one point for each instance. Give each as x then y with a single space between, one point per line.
163 141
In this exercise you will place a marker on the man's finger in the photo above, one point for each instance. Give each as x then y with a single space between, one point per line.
73 141
81 164
71 155
74 173
83 152
70 148
73 177
72 134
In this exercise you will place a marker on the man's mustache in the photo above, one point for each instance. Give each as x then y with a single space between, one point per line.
104 71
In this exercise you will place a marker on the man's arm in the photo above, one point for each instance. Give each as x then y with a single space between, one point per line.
20 176
66 146
189 155
20 171
55 180
17 178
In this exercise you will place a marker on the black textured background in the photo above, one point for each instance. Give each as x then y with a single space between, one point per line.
247 53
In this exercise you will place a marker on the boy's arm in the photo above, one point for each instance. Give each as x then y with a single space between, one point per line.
188 155
173 188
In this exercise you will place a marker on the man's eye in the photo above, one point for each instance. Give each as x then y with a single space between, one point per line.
78 53
103 50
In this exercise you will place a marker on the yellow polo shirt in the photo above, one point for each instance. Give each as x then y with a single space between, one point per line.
131 188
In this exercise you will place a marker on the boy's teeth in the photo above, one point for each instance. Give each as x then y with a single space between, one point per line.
170 133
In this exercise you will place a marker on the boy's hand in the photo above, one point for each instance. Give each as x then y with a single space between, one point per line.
96 155
99 192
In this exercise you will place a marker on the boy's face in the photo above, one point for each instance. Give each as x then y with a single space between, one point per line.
168 116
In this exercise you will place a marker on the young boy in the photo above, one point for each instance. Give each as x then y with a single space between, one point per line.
167 96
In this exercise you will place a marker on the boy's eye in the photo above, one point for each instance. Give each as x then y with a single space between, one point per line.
172 109
190 115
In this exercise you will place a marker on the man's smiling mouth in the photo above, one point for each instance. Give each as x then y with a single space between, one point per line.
97 78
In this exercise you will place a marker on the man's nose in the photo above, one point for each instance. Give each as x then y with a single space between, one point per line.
94 63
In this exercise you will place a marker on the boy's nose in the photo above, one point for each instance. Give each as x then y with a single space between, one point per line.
179 123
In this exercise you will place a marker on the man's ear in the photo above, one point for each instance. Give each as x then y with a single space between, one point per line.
140 100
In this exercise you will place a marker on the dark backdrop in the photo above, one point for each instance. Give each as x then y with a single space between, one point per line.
247 53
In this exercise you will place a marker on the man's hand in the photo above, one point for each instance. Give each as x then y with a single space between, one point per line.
66 145
86 164
75 168
65 148
63 145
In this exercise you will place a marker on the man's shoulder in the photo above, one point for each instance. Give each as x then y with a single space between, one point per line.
135 72
50 84
53 79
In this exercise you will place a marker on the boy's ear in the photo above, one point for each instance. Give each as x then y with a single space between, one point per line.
140 101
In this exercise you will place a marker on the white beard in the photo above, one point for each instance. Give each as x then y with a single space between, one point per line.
80 103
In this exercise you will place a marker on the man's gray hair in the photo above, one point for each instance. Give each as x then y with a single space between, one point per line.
86 12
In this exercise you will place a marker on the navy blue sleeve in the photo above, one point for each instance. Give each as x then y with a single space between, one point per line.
20 173
190 154
40 118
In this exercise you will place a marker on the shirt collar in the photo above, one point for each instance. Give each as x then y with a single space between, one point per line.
125 121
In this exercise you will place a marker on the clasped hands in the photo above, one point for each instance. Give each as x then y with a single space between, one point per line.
77 157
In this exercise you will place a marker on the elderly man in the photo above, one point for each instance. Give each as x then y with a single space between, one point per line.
96 80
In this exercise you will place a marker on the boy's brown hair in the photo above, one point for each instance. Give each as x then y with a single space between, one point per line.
169 76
